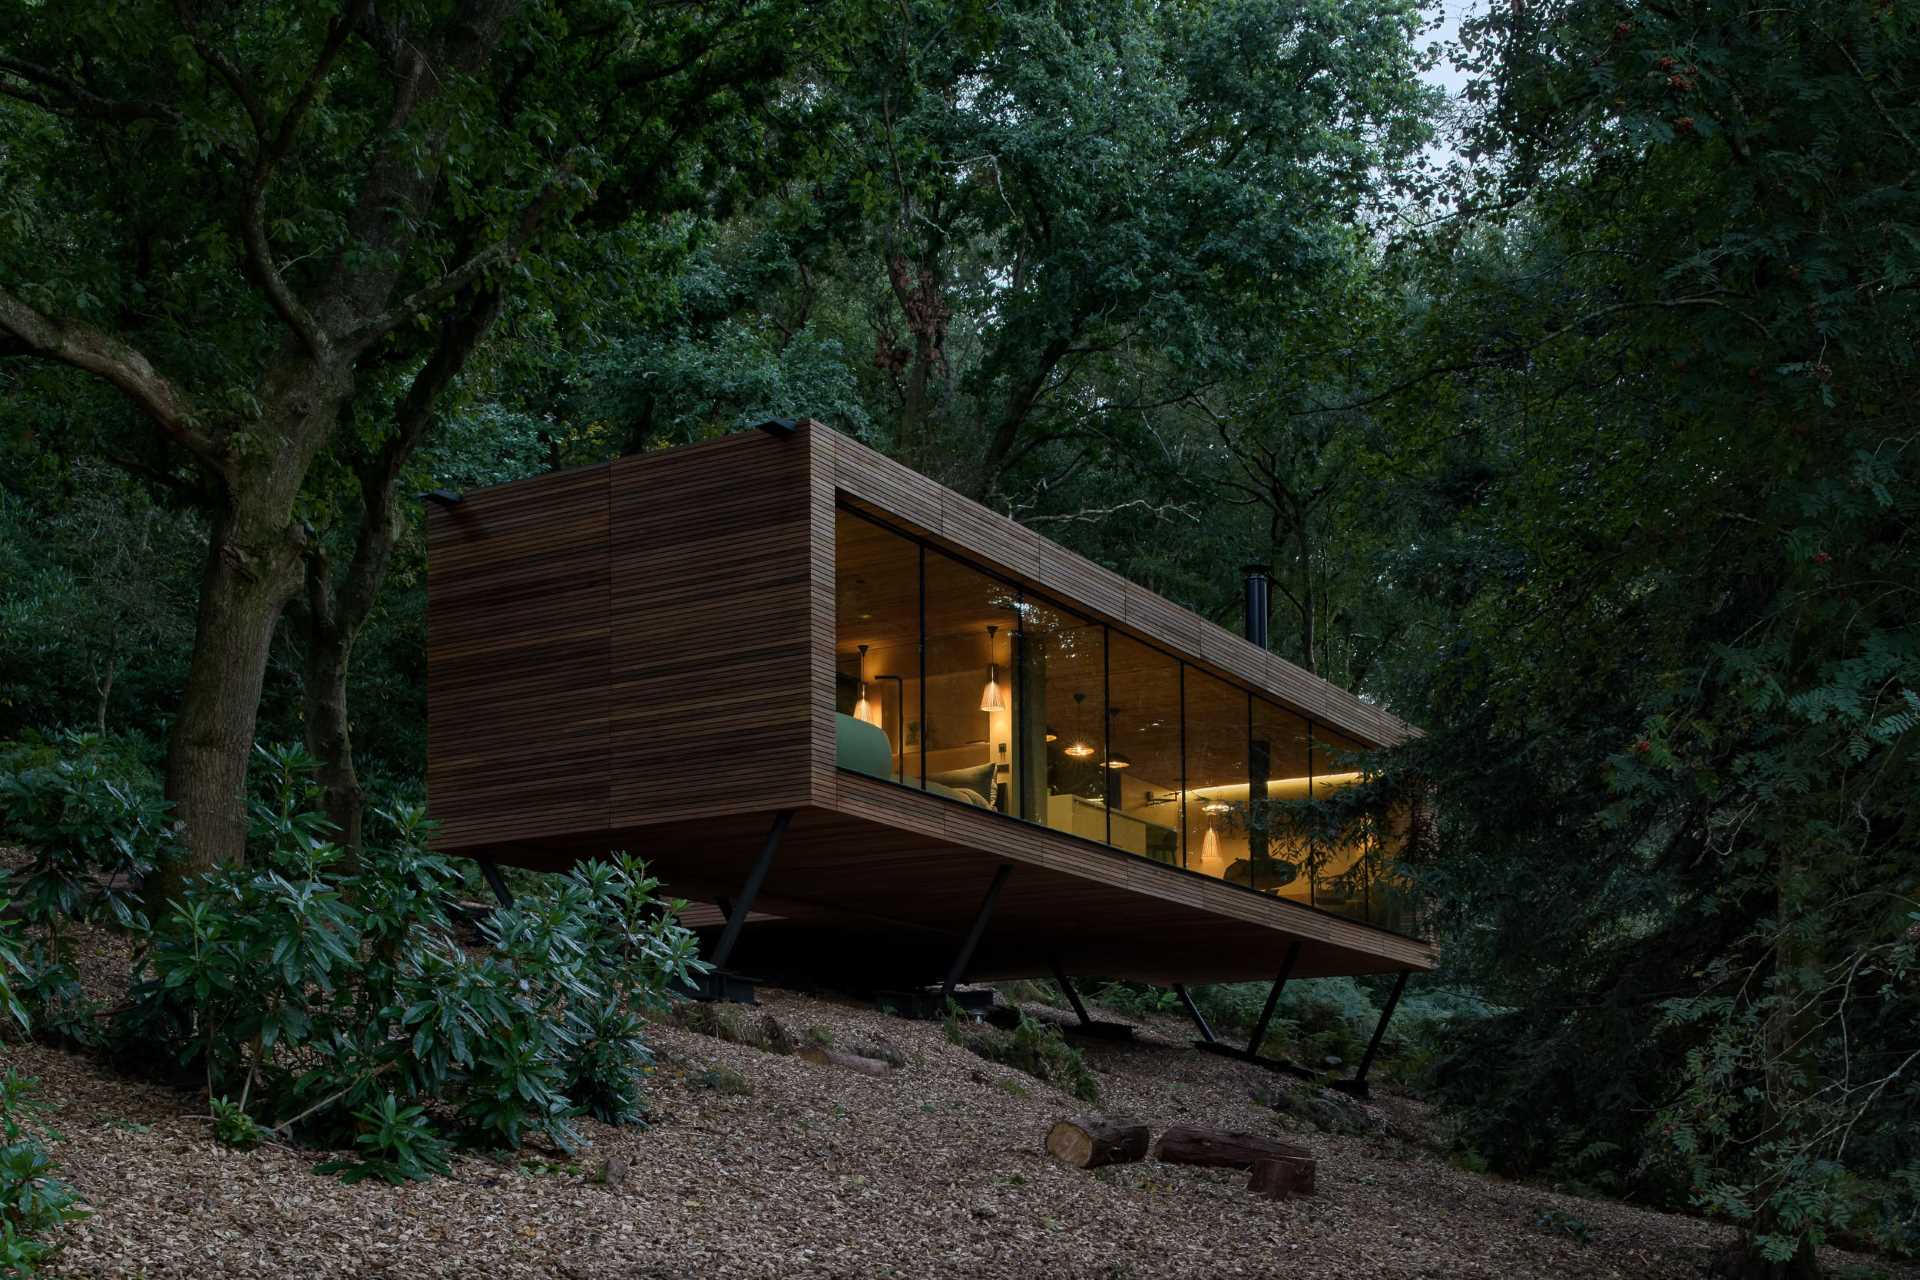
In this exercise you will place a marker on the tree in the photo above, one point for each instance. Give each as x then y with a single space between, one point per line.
233 217
1669 421
1053 209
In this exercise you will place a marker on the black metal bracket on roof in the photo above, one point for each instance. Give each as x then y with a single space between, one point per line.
778 428
1252 1052
963 957
1358 1085
440 497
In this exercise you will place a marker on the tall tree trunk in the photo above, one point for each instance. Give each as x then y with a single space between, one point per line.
335 617
329 733
252 568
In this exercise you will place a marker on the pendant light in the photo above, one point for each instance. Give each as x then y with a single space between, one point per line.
1079 748
863 709
990 699
1210 848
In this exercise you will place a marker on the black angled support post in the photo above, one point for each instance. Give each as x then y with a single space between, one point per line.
1358 1085
1193 1011
1073 997
1273 1000
757 876
958 968
494 882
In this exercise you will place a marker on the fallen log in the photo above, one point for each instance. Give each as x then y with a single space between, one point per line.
1187 1144
1088 1142
1279 1177
821 1056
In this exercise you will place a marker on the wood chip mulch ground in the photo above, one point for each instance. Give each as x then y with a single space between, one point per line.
936 1169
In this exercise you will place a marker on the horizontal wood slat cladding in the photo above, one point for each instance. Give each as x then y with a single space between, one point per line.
891 490
517 645
822 614
1022 843
710 677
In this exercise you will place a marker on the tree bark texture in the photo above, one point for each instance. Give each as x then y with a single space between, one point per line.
1220 1149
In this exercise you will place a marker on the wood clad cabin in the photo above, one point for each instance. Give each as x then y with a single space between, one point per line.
922 724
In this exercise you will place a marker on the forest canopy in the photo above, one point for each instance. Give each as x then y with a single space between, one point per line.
1575 416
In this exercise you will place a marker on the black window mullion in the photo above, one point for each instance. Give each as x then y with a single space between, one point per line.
1183 764
922 595
1106 727
1313 818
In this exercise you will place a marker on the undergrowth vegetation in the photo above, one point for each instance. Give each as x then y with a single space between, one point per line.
333 1001
1029 1045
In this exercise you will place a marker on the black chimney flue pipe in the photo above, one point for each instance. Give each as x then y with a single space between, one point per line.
1256 604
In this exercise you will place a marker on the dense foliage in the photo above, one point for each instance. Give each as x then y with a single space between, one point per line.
1586 441
334 1002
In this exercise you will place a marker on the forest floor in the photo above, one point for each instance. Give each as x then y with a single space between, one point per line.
936 1169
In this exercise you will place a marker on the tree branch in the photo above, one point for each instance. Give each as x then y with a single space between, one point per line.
107 357
78 99
445 287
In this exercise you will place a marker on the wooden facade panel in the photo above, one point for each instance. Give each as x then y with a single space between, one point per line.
710 672
1234 655
1082 581
823 468
1036 847
517 643
1158 618
991 536
872 476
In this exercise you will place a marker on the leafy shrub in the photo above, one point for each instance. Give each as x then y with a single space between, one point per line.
336 1005
233 1127
12 968
91 816
32 1200
1135 999
1036 1048
396 1144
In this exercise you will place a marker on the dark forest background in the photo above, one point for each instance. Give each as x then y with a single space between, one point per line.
1576 416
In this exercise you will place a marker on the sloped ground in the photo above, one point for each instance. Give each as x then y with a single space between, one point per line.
934 1170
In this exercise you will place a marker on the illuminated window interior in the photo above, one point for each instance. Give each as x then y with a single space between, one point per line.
952 680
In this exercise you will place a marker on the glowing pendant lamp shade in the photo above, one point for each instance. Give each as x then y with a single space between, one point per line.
864 709
1079 748
990 699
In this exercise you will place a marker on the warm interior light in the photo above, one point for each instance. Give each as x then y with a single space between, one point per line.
1210 848
1080 748
863 709
990 699
1117 761
1215 806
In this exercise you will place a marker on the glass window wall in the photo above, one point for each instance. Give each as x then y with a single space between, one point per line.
1143 766
877 655
952 679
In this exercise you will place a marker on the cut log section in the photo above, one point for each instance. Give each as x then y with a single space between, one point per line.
1185 1144
1087 1142
1279 1177
821 1056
